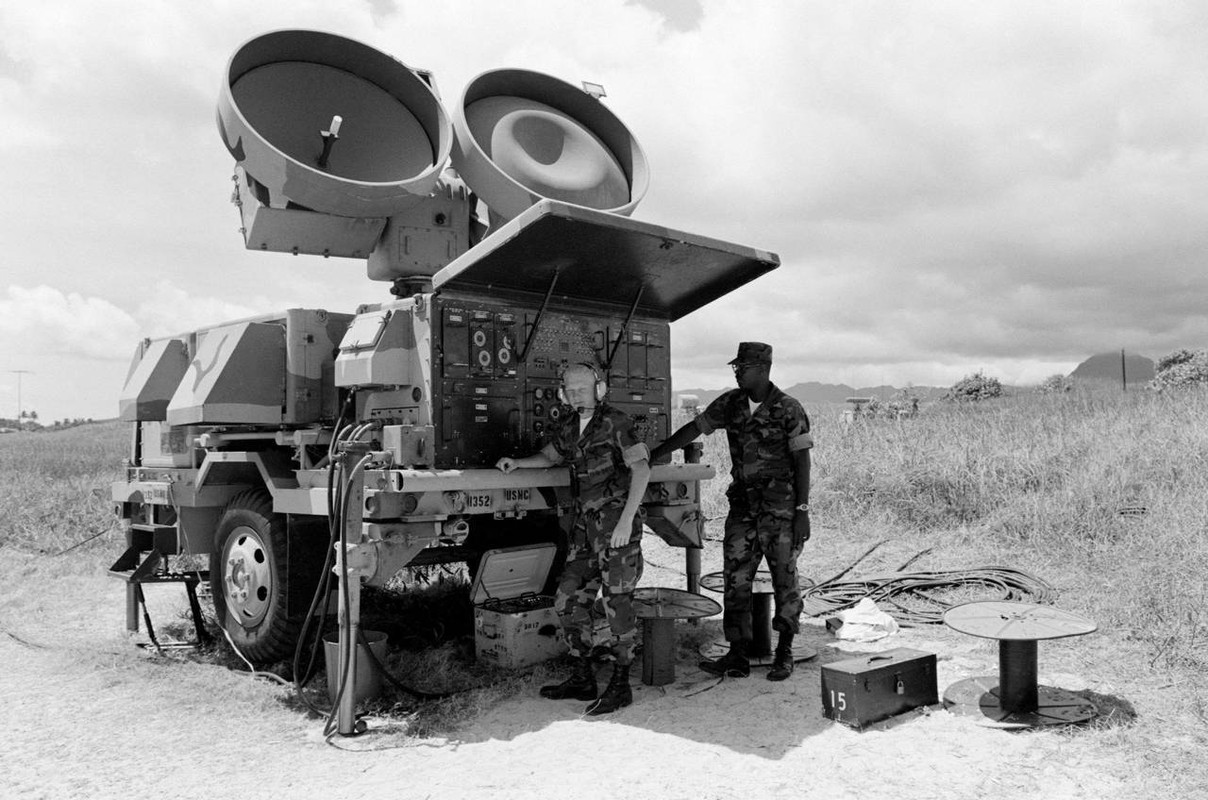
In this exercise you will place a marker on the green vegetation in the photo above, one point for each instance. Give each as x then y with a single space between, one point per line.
56 488
1181 368
29 422
1056 384
1044 478
972 388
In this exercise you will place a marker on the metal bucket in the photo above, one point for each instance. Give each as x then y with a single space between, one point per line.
368 679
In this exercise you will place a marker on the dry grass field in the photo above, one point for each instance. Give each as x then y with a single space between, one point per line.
1032 482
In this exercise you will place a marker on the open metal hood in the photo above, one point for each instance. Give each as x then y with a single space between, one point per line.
605 258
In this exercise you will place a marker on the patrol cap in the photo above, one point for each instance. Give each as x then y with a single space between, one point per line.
753 353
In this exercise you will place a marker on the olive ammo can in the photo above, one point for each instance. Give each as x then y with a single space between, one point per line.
875 686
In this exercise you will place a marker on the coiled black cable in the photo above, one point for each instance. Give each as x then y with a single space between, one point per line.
913 598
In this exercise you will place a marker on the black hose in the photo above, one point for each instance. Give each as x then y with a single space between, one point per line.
346 646
302 677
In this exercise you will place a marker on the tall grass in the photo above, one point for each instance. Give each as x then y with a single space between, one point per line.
54 488
1037 481
1033 481
1043 478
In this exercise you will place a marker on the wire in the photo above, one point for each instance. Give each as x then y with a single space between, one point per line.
83 542
910 597
303 676
339 492
254 673
346 644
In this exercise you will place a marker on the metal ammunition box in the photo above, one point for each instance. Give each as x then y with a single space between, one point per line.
870 688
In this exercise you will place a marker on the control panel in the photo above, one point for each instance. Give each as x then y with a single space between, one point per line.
500 368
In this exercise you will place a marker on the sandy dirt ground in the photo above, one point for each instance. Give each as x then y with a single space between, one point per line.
84 718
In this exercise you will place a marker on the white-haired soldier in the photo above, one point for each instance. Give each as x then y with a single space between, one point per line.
609 472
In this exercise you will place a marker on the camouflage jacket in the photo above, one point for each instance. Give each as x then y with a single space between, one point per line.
600 457
761 445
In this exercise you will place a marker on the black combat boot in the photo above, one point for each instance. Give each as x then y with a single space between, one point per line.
733 664
782 664
616 695
581 685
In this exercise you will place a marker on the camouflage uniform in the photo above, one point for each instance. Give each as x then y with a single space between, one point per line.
599 460
762 503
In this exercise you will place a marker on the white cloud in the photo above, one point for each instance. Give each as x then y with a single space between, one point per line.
168 309
950 185
46 320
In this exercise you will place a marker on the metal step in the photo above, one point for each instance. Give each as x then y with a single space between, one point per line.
137 570
443 555
153 536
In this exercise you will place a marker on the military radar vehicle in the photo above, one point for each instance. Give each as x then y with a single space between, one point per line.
286 444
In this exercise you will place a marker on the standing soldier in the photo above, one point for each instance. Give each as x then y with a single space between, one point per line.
769 436
609 472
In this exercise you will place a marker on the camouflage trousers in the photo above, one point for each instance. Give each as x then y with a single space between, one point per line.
750 536
591 567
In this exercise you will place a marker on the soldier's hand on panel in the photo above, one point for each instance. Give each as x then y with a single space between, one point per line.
505 464
801 528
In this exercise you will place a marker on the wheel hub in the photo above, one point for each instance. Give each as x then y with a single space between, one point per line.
247 577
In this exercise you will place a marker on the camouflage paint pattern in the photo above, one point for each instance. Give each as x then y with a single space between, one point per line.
236 375
599 458
749 537
599 464
312 336
598 568
762 497
158 369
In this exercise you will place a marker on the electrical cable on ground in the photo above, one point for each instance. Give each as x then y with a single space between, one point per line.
254 672
910 597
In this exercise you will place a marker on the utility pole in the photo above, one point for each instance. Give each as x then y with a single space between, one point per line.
1123 372
19 373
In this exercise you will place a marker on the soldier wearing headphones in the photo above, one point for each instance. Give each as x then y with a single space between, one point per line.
609 472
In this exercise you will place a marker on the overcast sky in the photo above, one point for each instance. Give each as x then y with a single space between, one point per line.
951 186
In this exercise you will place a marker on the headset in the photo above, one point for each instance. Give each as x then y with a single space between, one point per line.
601 382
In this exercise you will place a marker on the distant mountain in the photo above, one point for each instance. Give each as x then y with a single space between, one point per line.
814 392
1106 367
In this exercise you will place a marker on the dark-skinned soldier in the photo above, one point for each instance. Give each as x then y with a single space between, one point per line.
769 438
609 472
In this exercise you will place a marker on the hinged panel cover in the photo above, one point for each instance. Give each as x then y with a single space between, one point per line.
512 572
605 258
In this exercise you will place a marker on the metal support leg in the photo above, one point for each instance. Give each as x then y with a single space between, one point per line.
350 571
141 600
692 568
203 638
349 616
132 590
692 455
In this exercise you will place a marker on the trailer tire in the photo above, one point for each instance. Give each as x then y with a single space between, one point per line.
249 579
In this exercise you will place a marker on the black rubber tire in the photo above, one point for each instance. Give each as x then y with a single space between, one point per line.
259 624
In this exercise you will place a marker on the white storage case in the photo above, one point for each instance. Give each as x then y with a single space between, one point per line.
514 626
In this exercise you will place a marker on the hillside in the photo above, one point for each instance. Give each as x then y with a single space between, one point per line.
1106 367
815 392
